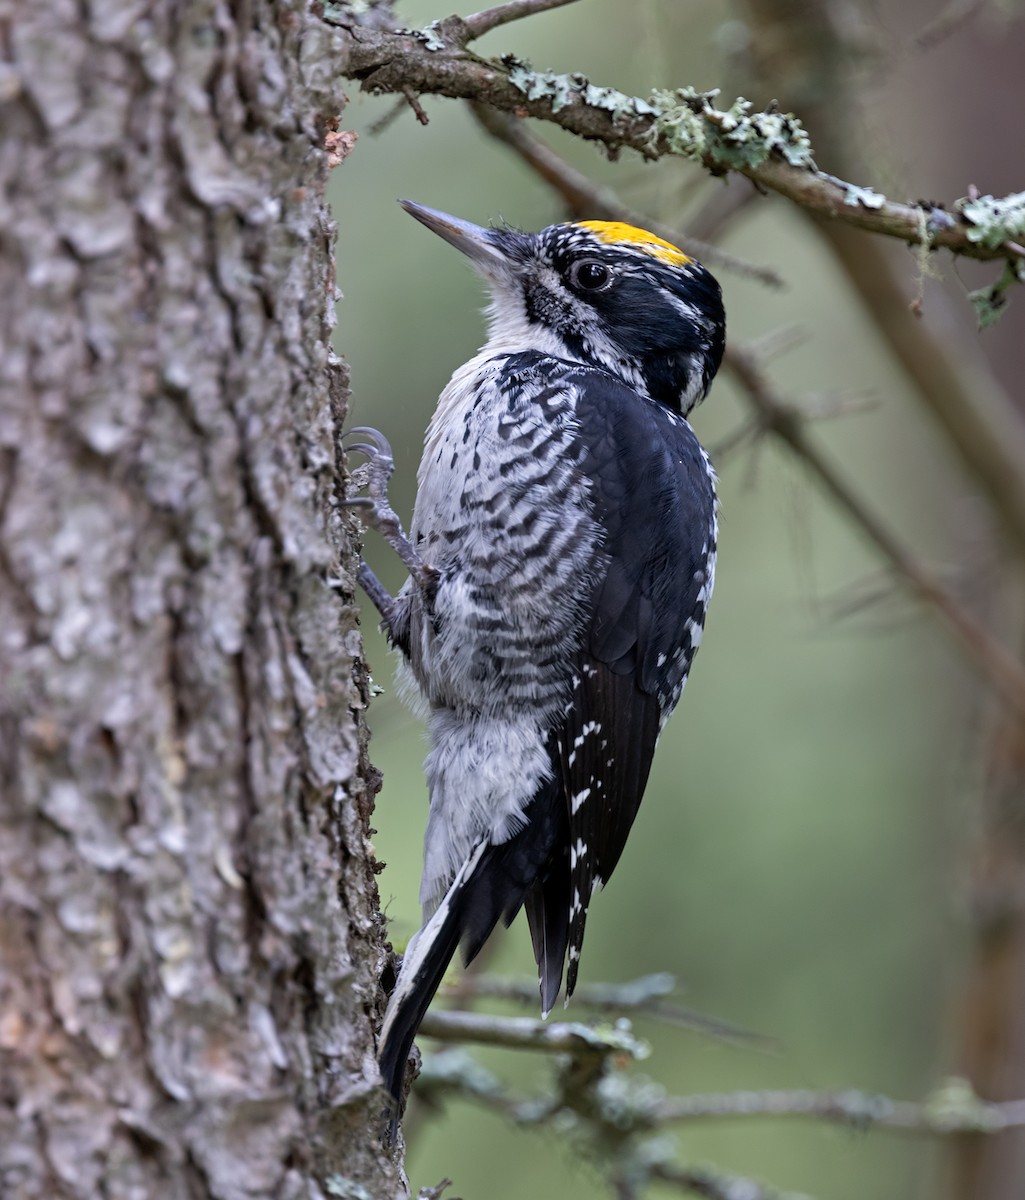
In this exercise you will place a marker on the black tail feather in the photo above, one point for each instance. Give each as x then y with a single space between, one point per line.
547 909
409 1011
490 887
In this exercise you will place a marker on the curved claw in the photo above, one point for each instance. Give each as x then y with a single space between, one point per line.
379 470
366 448
378 446
369 431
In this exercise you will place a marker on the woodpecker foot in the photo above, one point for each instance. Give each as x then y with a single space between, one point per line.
394 618
377 513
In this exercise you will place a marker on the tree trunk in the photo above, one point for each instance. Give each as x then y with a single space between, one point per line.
189 940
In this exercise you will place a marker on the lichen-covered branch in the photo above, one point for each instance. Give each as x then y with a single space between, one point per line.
583 198
527 1033
649 995
621 1119
770 148
784 421
716 1185
610 1115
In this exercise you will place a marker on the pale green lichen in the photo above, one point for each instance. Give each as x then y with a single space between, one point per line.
337 11
956 1106
990 302
346 1189
617 1036
456 1067
563 89
994 220
431 37
733 138
686 122
629 1101
991 221
616 102
864 197
923 256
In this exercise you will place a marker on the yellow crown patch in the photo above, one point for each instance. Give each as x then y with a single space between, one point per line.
617 232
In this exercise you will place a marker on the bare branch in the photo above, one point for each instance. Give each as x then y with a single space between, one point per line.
1000 668
386 120
954 16
954 1109
414 103
726 200
684 123
483 22
975 413
715 1185
434 1193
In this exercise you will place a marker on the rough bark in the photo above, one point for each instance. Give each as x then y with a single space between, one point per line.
189 938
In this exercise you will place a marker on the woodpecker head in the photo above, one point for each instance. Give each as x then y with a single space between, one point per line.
599 292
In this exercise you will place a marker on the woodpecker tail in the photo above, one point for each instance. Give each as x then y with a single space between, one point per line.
547 908
490 886
423 968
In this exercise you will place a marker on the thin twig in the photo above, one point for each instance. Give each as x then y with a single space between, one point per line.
956 1110
953 17
388 118
583 198
434 1193
725 200
633 995
645 996
714 1185
827 408
523 1033
786 422
483 22
727 446
413 100
978 417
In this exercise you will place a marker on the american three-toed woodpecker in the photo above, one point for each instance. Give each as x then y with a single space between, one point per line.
561 558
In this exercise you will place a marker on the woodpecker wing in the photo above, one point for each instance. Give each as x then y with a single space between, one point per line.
650 493
653 492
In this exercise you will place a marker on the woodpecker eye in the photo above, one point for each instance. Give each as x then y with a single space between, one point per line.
590 275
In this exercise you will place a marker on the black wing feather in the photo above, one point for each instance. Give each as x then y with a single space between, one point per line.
654 498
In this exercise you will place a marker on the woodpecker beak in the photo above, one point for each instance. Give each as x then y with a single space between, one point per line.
473 240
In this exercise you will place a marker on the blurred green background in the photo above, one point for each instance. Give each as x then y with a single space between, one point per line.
795 862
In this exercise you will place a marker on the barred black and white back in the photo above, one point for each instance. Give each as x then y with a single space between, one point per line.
567 514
